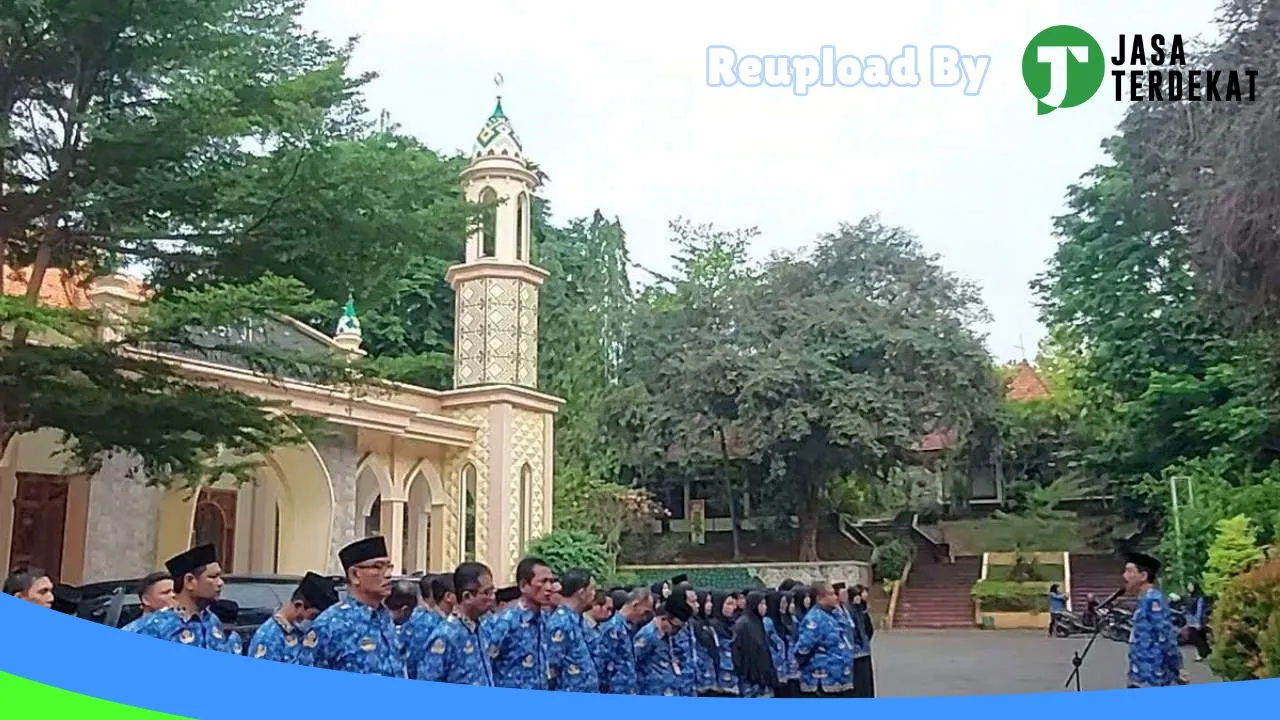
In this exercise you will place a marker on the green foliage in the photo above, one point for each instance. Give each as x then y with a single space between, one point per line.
890 558
568 550
121 124
1233 551
1246 625
1029 571
1006 596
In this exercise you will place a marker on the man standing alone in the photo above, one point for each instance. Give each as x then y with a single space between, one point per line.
1154 658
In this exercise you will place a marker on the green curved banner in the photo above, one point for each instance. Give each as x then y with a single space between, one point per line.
45 701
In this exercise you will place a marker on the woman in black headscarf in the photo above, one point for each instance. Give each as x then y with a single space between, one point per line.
704 646
777 629
721 622
864 677
750 649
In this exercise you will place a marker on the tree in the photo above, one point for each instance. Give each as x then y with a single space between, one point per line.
855 352
686 363
117 122
1234 550
1221 159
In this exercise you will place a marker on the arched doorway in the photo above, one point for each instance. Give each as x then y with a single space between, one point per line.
215 523
281 523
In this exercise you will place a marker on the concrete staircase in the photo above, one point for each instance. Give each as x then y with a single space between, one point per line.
936 594
1098 575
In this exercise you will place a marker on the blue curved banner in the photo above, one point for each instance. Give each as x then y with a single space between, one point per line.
53 663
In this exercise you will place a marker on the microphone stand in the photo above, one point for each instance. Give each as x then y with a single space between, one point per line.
1077 658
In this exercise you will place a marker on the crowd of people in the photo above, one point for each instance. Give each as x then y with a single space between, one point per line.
564 633
544 633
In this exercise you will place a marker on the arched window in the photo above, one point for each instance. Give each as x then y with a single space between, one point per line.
373 521
467 515
526 505
488 222
523 222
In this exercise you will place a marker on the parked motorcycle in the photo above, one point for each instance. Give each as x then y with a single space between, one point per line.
1069 623
1115 624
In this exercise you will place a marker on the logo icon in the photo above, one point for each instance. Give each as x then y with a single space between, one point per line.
1063 66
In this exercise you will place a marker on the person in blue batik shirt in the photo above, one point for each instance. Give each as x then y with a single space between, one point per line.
720 622
569 664
615 653
227 613
1057 606
198 583
597 615
155 592
1154 658
823 651
752 651
1198 621
517 636
287 636
864 678
358 635
457 649
426 618
658 660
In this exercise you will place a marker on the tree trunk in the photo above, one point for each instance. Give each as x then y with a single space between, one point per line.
730 495
810 522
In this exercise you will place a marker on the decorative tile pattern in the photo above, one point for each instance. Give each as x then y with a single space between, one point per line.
479 456
527 436
496 337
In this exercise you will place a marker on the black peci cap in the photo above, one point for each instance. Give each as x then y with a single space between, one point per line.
318 591
507 594
370 548
180 565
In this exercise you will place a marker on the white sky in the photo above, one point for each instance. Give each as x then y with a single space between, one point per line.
613 103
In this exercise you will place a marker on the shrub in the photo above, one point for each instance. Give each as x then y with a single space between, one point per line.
891 558
566 550
1005 596
1246 625
1233 551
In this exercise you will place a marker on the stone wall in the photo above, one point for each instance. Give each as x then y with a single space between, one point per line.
120 541
340 454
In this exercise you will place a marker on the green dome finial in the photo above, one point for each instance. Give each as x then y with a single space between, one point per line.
349 324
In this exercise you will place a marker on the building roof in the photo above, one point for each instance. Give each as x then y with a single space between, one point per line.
1026 384
61 288
498 138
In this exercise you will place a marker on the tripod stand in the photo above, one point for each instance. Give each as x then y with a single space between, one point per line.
1077 658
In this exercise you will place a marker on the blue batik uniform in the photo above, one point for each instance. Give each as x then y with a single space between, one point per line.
698 662
202 630
413 636
616 657
354 637
457 653
777 649
517 648
1154 659
824 653
279 640
658 664
591 630
235 645
691 666
1196 618
569 664
726 680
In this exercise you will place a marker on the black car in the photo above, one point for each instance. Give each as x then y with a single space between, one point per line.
116 602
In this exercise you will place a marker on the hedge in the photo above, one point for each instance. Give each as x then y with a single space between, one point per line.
1005 596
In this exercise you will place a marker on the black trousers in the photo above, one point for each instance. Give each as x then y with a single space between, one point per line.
1200 639
864 678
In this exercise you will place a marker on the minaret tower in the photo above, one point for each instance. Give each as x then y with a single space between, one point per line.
496 286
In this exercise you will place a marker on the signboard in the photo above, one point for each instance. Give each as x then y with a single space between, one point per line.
698 521
236 347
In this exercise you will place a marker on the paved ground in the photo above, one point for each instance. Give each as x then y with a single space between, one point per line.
918 663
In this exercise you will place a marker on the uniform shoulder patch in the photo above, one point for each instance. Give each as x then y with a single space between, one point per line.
260 651
1155 606
438 647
